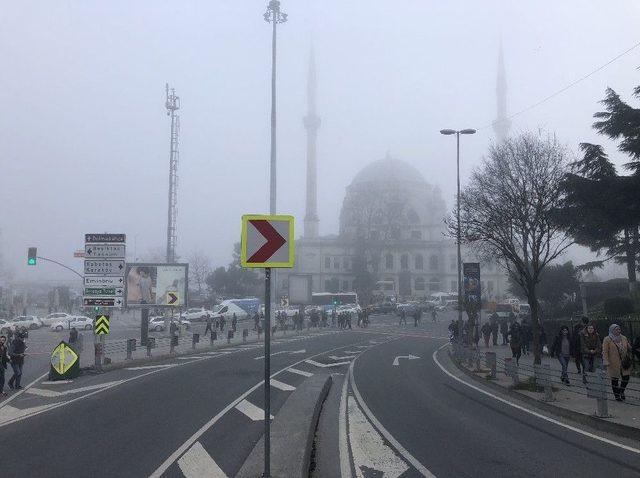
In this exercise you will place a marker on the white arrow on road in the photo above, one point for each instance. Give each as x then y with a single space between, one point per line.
396 361
301 351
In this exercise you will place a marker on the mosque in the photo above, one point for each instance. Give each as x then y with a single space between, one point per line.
391 225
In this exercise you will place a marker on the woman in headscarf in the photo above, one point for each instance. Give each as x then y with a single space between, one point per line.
616 357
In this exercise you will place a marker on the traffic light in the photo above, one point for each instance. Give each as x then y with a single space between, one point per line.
32 252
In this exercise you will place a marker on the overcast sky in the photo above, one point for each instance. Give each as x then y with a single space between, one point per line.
84 133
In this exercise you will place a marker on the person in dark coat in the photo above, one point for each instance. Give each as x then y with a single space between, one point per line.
16 354
515 341
578 332
562 348
486 333
234 323
504 330
4 360
73 335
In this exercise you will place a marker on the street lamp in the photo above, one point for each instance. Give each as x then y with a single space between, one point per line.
272 15
459 234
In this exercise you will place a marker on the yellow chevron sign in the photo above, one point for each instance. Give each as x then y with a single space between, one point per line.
63 358
101 325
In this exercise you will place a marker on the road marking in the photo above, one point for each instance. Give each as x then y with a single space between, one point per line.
346 357
42 392
301 351
396 361
55 382
353 351
369 449
150 367
9 414
197 463
325 365
252 411
20 392
345 463
203 429
388 436
531 412
281 385
191 357
299 372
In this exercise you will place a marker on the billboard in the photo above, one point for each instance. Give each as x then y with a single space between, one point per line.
156 285
471 284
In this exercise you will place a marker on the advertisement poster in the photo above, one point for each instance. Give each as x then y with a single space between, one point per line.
471 284
156 285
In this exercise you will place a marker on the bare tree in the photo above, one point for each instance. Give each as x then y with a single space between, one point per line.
199 269
508 211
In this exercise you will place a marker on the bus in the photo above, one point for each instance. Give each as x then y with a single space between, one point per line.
337 298
385 289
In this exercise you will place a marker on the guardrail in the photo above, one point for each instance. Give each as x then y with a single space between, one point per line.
547 380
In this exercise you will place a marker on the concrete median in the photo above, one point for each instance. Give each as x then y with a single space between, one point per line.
292 433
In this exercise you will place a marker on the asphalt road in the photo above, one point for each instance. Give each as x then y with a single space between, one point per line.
455 431
132 428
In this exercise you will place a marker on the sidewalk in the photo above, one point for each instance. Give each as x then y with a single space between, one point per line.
572 398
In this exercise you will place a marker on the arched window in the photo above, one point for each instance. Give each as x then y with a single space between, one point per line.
389 261
433 263
404 262
419 262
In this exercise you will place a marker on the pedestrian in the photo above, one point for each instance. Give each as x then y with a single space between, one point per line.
616 357
591 350
403 318
348 314
73 335
527 335
234 323
4 360
504 331
578 332
515 341
434 315
416 317
494 328
334 316
208 327
17 351
486 333
562 348
256 321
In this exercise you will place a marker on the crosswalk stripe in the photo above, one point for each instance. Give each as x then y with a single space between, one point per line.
299 372
197 463
281 385
253 412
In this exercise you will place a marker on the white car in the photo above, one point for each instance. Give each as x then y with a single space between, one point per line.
157 323
196 314
56 317
79 322
27 321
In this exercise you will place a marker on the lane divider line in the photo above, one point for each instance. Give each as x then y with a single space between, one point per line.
531 412
299 372
388 436
285 387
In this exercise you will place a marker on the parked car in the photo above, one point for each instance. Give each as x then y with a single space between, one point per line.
196 314
79 322
157 323
56 317
27 321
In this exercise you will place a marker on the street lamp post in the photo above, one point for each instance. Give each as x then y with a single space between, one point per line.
459 231
273 15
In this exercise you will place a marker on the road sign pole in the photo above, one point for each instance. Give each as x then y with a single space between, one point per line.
144 326
267 372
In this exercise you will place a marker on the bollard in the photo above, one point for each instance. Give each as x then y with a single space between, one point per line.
229 336
491 363
195 338
511 369
542 375
131 346
245 334
99 352
151 343
597 388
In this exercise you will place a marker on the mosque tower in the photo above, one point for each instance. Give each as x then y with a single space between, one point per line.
502 124
311 124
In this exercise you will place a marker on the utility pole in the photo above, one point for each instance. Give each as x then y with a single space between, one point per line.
274 16
172 104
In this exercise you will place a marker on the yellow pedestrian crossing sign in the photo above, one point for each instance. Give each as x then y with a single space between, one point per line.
101 325
64 362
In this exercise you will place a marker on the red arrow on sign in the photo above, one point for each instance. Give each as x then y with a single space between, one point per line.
274 241
172 298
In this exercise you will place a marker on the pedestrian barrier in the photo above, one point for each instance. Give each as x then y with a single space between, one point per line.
596 383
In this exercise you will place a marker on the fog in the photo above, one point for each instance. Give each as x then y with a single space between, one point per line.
84 135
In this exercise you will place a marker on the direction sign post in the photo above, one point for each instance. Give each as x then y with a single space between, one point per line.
267 242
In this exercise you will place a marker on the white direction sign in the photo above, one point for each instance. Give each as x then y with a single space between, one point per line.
107 267
104 251
103 281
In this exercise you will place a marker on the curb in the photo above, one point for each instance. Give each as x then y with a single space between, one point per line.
599 424
292 433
